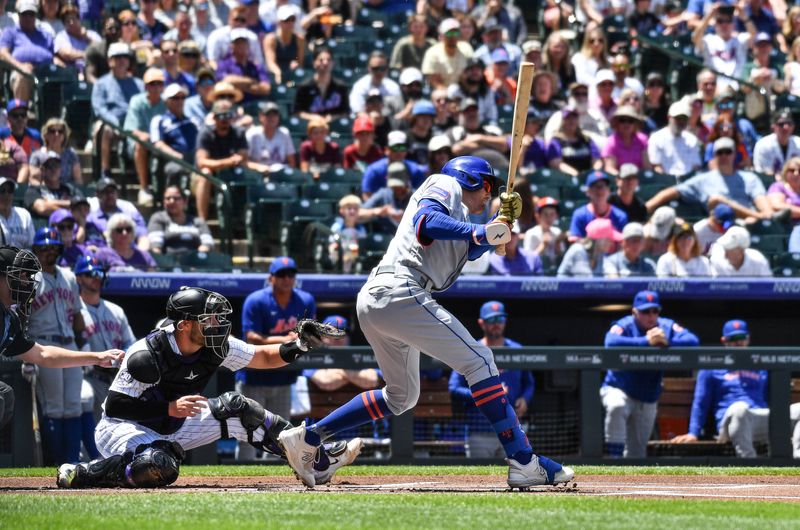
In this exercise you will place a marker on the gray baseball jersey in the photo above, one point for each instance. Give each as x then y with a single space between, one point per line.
55 305
106 326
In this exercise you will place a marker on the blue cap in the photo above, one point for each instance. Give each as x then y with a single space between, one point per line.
493 308
47 235
337 321
282 263
645 300
500 55
16 104
725 215
596 176
735 329
423 107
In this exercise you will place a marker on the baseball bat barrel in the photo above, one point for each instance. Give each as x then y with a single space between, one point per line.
521 102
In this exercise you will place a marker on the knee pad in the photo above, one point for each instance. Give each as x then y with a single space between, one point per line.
6 404
738 410
156 464
106 472
235 405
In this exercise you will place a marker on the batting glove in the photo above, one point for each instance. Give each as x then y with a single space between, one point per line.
510 206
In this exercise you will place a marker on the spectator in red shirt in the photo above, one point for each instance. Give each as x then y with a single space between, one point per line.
363 151
18 131
318 154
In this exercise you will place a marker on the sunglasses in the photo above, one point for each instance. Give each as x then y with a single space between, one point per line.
206 82
240 20
378 68
65 226
653 84
155 84
17 115
110 29
621 67
191 55
727 105
495 320
93 274
651 311
453 33
787 170
724 152
225 96
129 23
784 124
285 274
123 230
223 116
398 148
6 190
724 21
56 131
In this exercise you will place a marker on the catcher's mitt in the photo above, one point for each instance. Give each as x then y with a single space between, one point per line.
309 336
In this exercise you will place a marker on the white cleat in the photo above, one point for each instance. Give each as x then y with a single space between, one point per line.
540 471
299 453
66 474
340 455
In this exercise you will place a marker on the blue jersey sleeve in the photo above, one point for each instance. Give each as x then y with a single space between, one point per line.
616 337
703 393
432 222
251 312
459 389
680 336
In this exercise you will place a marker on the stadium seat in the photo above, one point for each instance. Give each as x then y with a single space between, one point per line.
290 175
648 176
769 244
299 228
546 190
552 177
355 33
766 228
340 175
689 211
648 191
786 264
76 98
264 213
370 251
206 261
164 262
326 191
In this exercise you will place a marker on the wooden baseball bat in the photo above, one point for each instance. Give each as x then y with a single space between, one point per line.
38 460
524 81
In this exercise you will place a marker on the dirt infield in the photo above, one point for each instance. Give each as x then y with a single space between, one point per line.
752 488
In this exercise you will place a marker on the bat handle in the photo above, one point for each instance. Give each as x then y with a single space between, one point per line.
500 250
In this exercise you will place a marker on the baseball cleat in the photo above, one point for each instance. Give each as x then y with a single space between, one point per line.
66 475
540 471
299 453
340 454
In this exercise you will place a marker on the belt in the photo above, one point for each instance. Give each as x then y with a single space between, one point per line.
405 272
56 338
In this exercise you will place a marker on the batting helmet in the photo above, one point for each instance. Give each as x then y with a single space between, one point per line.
88 264
47 235
470 172
209 309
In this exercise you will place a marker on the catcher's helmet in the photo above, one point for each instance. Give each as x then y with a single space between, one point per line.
470 172
22 274
208 308
88 264
47 235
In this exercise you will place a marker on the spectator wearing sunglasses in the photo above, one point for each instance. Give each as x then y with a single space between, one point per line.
63 221
172 71
107 203
376 78
198 106
121 254
725 127
284 49
185 31
15 221
45 198
772 151
71 42
96 53
724 49
56 138
18 131
444 61
627 145
218 46
396 151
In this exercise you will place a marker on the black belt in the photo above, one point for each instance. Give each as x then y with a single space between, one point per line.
59 339
405 272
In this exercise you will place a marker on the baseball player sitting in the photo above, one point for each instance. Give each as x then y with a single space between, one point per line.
400 318
630 397
738 399
154 411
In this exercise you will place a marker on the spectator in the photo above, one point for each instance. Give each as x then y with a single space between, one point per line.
726 127
570 151
436 11
630 397
516 261
497 76
26 46
761 72
419 133
173 132
64 222
724 49
121 255
363 151
56 138
603 102
18 131
224 91
184 30
621 66
557 58
785 194
173 231
741 190
332 379
626 145
410 81
684 256
791 70
171 72
86 231
591 121
150 28
285 48
13 162
197 107
472 84
773 150
346 231
739 399
440 151
707 93
731 255
494 40
376 78
385 208
586 256
322 96
471 137
791 27
15 221
628 261
220 147
107 204
141 111
762 18
410 50
45 198
270 144
269 316
96 54
379 114
445 60
598 189
658 231
711 228
509 16
696 125
625 197
673 149
218 45
240 71
142 49
518 384
592 57
111 96
532 53
656 101
642 21
546 239
70 43
396 150
318 154
545 88
190 60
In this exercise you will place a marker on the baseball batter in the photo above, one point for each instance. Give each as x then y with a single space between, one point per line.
400 318
154 410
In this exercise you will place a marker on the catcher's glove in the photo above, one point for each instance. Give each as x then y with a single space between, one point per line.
309 336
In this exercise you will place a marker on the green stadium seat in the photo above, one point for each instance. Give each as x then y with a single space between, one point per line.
648 191
352 177
298 229
552 177
786 264
164 262
689 211
546 190
290 175
356 33
371 250
769 244
206 261
766 228
648 176
326 191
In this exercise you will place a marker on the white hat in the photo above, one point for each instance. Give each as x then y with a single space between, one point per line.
628 170
410 75
724 143
397 138
285 12
240 33
632 230
448 24
454 91
119 49
173 89
27 5
660 224
679 108
735 237
604 75
440 141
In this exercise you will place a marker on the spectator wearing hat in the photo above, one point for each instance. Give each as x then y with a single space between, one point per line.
379 114
322 96
396 151
346 231
444 61
363 151
184 30
657 231
198 106
517 261
319 154
494 39
532 53
586 256
592 57
497 76
509 16
570 151
70 43
761 72
173 132
270 144
773 150
473 85
15 221
385 207
629 261
591 121
545 239
411 82
440 151
709 229
121 254
603 101
284 48
96 54
240 71
171 71
630 397
377 66
625 197
107 203
626 145
471 137
56 134
190 60
174 231
18 131
674 150
419 132
684 257
43 199
410 50
724 49
727 127
63 221
598 189
731 255
218 46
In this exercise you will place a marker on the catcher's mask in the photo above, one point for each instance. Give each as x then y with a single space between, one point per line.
207 308
23 277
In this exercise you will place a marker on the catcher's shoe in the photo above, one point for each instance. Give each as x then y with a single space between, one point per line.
340 454
67 473
299 453
540 471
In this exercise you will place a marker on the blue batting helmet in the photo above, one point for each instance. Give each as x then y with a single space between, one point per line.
88 264
47 235
470 172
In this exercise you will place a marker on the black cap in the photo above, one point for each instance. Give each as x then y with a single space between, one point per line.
104 183
7 256
783 115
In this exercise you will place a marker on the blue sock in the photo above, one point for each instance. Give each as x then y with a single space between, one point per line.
364 408
615 450
87 434
492 400
72 440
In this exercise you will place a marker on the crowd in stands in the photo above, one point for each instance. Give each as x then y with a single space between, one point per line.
632 165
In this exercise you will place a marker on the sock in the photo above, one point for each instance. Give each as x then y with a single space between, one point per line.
492 400
615 450
53 440
364 408
87 434
72 440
